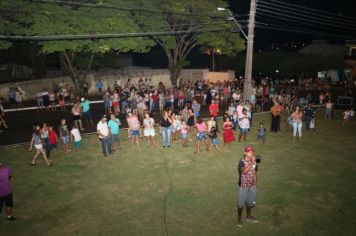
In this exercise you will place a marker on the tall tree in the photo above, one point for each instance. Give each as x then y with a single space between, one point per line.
193 17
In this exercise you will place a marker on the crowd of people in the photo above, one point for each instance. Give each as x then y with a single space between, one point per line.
180 121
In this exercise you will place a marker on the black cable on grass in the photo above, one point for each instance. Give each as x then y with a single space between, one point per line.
167 195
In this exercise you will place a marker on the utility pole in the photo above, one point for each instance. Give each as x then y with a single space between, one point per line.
249 52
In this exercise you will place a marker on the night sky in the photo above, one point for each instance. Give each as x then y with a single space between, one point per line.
268 36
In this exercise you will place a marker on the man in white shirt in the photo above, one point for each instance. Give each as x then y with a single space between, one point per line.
102 130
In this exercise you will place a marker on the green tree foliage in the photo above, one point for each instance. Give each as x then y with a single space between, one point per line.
39 18
48 17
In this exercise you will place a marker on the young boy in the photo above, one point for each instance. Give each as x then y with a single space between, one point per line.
64 134
77 137
261 133
52 140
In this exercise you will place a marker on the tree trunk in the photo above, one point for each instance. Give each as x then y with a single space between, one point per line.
174 69
38 63
67 60
90 63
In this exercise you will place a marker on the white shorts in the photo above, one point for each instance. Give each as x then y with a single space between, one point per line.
149 132
38 146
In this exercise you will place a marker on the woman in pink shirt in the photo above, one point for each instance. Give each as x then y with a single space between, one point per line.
201 135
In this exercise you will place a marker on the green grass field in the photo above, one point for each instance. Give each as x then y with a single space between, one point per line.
304 188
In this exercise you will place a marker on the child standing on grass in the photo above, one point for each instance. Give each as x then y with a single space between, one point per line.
64 133
213 134
177 126
261 133
74 133
312 125
184 133
201 135
346 119
52 140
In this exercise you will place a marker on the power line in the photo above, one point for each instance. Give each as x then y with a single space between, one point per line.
303 19
308 16
312 9
309 12
300 23
100 36
277 26
296 30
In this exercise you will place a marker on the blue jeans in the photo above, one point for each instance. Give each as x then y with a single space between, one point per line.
166 136
106 145
297 127
328 113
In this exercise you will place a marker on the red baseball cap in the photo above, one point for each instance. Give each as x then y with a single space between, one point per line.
249 149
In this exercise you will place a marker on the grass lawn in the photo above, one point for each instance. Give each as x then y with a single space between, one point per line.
304 188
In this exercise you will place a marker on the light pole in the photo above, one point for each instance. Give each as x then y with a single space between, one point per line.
233 18
249 52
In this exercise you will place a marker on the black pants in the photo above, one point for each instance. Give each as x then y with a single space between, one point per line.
7 200
275 123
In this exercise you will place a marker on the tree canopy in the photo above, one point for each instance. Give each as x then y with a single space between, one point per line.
94 17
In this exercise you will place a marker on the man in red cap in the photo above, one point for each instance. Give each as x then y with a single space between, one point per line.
247 185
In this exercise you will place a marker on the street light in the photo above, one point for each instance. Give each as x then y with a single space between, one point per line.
233 18
249 52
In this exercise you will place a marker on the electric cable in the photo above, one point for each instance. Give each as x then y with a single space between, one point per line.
300 18
266 17
319 15
171 186
348 24
302 31
313 9
100 36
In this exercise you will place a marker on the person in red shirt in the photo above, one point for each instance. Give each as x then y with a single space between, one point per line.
154 105
214 110
52 141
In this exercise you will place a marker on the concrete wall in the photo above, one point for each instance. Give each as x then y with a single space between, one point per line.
214 77
108 78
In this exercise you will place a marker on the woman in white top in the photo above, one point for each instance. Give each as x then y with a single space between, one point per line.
149 130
